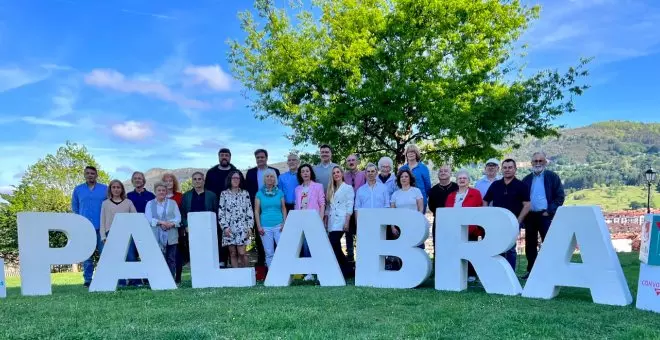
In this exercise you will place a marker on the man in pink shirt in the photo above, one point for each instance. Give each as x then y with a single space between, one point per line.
354 178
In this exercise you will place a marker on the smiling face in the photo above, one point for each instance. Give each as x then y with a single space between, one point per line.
293 162
371 173
508 170
444 173
90 176
462 180
337 176
138 180
261 159
305 174
269 180
539 162
492 169
385 169
116 190
235 181
161 192
224 158
411 156
351 162
404 179
198 181
326 155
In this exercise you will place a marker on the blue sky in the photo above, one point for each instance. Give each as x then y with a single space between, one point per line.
146 83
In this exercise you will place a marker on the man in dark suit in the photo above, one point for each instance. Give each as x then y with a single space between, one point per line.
546 196
254 180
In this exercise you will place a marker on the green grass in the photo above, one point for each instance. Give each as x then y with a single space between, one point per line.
613 198
310 311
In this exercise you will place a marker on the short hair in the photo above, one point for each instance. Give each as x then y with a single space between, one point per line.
123 190
197 173
415 149
241 183
410 174
383 160
294 155
89 167
510 160
175 181
357 156
258 151
312 175
371 165
159 184
540 153
325 146
270 171
463 172
141 174
224 150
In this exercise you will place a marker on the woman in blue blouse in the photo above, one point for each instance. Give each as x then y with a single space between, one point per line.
419 170
270 212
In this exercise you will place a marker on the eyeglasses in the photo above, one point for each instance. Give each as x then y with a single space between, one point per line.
538 161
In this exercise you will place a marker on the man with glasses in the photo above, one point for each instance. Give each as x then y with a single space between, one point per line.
195 200
354 178
547 195
512 194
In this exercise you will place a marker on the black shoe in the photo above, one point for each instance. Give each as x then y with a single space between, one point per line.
526 276
87 284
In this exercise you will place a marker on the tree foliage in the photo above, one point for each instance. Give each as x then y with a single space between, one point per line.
46 186
371 76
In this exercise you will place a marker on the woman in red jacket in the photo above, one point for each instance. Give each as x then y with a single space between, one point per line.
467 197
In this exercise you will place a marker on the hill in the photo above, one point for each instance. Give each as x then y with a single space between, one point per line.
606 153
614 198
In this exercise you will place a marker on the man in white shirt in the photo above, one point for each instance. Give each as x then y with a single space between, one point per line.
491 174
373 194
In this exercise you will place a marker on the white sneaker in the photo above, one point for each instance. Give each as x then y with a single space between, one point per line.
309 277
471 279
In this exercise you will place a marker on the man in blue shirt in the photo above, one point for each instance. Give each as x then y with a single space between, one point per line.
86 200
288 181
546 195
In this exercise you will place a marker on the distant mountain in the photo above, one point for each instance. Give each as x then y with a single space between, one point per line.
183 174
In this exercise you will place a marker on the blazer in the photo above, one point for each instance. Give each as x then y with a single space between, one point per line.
554 190
472 199
210 204
340 206
252 184
316 196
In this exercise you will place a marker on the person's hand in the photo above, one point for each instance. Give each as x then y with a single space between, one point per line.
227 232
395 232
281 227
545 213
346 227
261 231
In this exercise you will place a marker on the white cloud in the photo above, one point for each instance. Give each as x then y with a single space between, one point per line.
132 130
212 76
124 169
6 189
153 15
48 122
14 77
111 79
64 101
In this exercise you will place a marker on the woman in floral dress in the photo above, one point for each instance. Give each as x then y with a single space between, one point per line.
236 219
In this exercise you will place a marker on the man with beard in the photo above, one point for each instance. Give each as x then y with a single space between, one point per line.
512 194
547 195
216 182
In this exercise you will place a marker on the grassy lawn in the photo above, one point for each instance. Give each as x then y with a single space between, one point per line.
613 198
311 311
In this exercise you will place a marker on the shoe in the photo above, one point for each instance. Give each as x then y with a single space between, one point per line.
87 284
309 277
222 265
526 276
471 279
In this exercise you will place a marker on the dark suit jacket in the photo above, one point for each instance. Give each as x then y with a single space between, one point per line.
554 190
210 204
252 183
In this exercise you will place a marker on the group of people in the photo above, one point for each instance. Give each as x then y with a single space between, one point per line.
257 204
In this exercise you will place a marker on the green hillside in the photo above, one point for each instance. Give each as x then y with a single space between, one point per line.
613 198
606 153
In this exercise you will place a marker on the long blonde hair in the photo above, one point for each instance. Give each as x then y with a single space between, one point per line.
332 187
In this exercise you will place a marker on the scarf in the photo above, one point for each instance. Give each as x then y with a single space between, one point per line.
269 193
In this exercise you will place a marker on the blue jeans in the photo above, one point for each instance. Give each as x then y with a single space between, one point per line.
170 257
305 250
131 256
88 265
510 255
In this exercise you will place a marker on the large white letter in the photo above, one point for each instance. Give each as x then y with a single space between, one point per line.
36 256
286 260
600 271
204 259
372 249
113 266
453 249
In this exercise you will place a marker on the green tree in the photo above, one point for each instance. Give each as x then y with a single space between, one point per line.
372 76
186 185
46 186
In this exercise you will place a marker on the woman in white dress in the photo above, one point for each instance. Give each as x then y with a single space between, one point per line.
340 197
